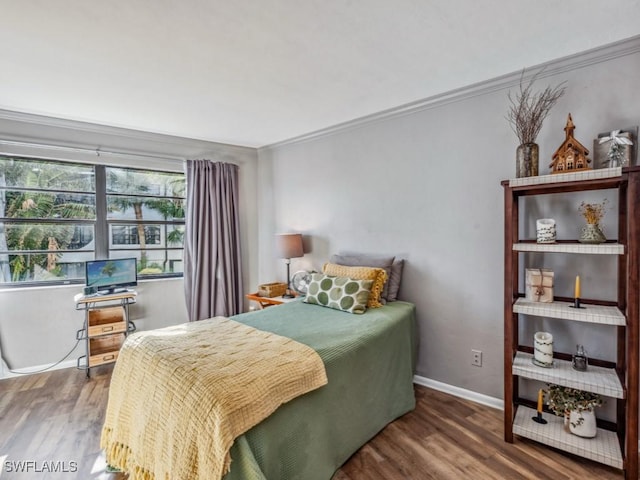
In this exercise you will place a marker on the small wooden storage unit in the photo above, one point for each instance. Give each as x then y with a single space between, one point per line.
616 443
106 325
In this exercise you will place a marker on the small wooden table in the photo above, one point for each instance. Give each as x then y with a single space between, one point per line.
264 302
106 325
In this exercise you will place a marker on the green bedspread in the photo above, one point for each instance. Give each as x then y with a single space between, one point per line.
369 360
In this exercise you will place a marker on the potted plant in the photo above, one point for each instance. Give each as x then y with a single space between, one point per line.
577 408
592 213
526 113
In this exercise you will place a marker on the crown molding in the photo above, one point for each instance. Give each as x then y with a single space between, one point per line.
75 125
596 55
38 130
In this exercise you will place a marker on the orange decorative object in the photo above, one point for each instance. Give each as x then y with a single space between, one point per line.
540 395
571 156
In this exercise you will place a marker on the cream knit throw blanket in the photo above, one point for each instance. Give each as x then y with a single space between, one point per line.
179 396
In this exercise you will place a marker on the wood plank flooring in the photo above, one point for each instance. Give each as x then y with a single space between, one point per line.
56 417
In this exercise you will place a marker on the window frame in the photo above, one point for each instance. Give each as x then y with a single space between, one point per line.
101 223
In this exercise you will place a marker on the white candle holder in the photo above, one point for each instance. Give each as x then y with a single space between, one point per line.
546 230
543 349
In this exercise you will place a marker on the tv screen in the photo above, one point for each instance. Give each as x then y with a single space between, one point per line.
112 275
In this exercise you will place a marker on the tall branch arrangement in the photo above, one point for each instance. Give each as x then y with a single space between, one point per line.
529 109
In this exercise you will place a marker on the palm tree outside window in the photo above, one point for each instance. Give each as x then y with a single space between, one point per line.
56 215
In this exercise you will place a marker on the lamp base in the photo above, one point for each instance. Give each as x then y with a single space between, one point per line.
288 293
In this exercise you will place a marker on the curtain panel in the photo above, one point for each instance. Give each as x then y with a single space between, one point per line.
212 258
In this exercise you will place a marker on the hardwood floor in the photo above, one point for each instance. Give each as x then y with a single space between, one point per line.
56 417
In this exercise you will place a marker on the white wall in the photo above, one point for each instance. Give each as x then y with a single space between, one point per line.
38 325
425 185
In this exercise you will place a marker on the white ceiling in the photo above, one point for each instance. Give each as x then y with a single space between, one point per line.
256 72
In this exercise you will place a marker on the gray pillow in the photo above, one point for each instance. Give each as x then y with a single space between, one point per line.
394 280
368 260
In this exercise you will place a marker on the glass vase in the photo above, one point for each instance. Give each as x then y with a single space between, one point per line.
591 233
527 160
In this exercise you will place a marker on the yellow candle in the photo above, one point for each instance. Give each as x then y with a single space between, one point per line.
577 290
540 401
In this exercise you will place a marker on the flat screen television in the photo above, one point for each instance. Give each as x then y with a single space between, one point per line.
111 276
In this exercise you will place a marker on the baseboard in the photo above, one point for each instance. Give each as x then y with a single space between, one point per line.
476 397
18 372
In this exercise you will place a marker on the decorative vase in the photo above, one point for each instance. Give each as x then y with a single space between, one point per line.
527 160
583 424
591 233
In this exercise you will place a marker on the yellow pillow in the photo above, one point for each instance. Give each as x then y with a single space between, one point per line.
378 275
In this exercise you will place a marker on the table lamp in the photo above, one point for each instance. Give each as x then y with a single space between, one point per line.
288 246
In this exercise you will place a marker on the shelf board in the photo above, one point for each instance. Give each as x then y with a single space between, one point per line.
129 296
570 247
596 174
600 380
604 448
599 314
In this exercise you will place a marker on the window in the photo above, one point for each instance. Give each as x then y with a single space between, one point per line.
145 215
55 215
128 235
124 235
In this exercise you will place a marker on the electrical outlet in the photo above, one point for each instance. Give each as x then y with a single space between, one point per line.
476 358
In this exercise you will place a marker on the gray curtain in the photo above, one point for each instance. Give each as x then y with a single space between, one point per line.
212 262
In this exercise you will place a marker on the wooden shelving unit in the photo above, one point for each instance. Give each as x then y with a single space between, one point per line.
616 443
105 328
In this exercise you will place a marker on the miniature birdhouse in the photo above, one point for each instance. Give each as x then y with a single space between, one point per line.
571 156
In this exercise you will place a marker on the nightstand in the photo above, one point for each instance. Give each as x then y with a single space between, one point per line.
264 302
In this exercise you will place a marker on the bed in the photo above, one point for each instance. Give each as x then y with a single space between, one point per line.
369 361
